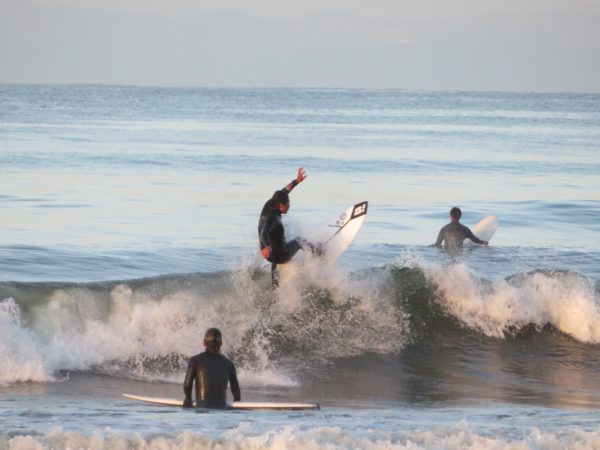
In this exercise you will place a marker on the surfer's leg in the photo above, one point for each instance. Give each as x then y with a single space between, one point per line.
274 276
315 249
282 257
285 253
292 247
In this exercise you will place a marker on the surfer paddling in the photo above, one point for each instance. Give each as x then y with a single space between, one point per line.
211 371
454 233
271 234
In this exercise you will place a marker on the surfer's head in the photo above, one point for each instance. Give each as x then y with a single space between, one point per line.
455 214
281 201
213 340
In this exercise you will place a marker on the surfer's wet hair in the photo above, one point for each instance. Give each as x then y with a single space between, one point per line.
281 196
455 213
213 340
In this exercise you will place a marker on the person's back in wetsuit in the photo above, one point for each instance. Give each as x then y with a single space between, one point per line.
210 371
454 233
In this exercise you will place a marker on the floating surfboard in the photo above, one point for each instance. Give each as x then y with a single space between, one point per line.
235 405
347 225
484 229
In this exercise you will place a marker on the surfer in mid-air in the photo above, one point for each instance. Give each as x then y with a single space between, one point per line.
271 234
211 371
454 233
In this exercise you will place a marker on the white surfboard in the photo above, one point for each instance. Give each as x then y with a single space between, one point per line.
484 229
345 228
235 405
347 225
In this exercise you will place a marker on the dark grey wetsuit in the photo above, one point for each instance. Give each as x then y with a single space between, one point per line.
211 372
271 233
454 234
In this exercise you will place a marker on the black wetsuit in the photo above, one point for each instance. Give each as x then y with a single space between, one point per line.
454 234
211 372
271 233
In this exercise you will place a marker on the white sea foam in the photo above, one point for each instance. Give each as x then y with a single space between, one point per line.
19 349
295 437
318 313
148 331
565 300
267 377
77 330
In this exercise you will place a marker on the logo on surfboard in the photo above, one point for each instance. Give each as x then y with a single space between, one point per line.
342 220
359 210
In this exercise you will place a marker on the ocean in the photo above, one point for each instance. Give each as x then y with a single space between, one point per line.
129 227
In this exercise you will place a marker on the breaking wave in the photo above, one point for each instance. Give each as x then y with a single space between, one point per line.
147 329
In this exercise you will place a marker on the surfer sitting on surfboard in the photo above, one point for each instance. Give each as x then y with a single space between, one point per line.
271 235
211 371
454 233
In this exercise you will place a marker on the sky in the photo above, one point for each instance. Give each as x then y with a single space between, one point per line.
504 45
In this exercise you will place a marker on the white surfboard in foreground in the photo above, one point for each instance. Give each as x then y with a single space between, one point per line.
235 405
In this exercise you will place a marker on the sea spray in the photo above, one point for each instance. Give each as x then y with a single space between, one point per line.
565 300
147 329
19 349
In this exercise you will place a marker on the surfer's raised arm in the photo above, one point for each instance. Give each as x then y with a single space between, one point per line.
296 181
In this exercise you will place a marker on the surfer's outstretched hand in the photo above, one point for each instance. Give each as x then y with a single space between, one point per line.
301 175
484 243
